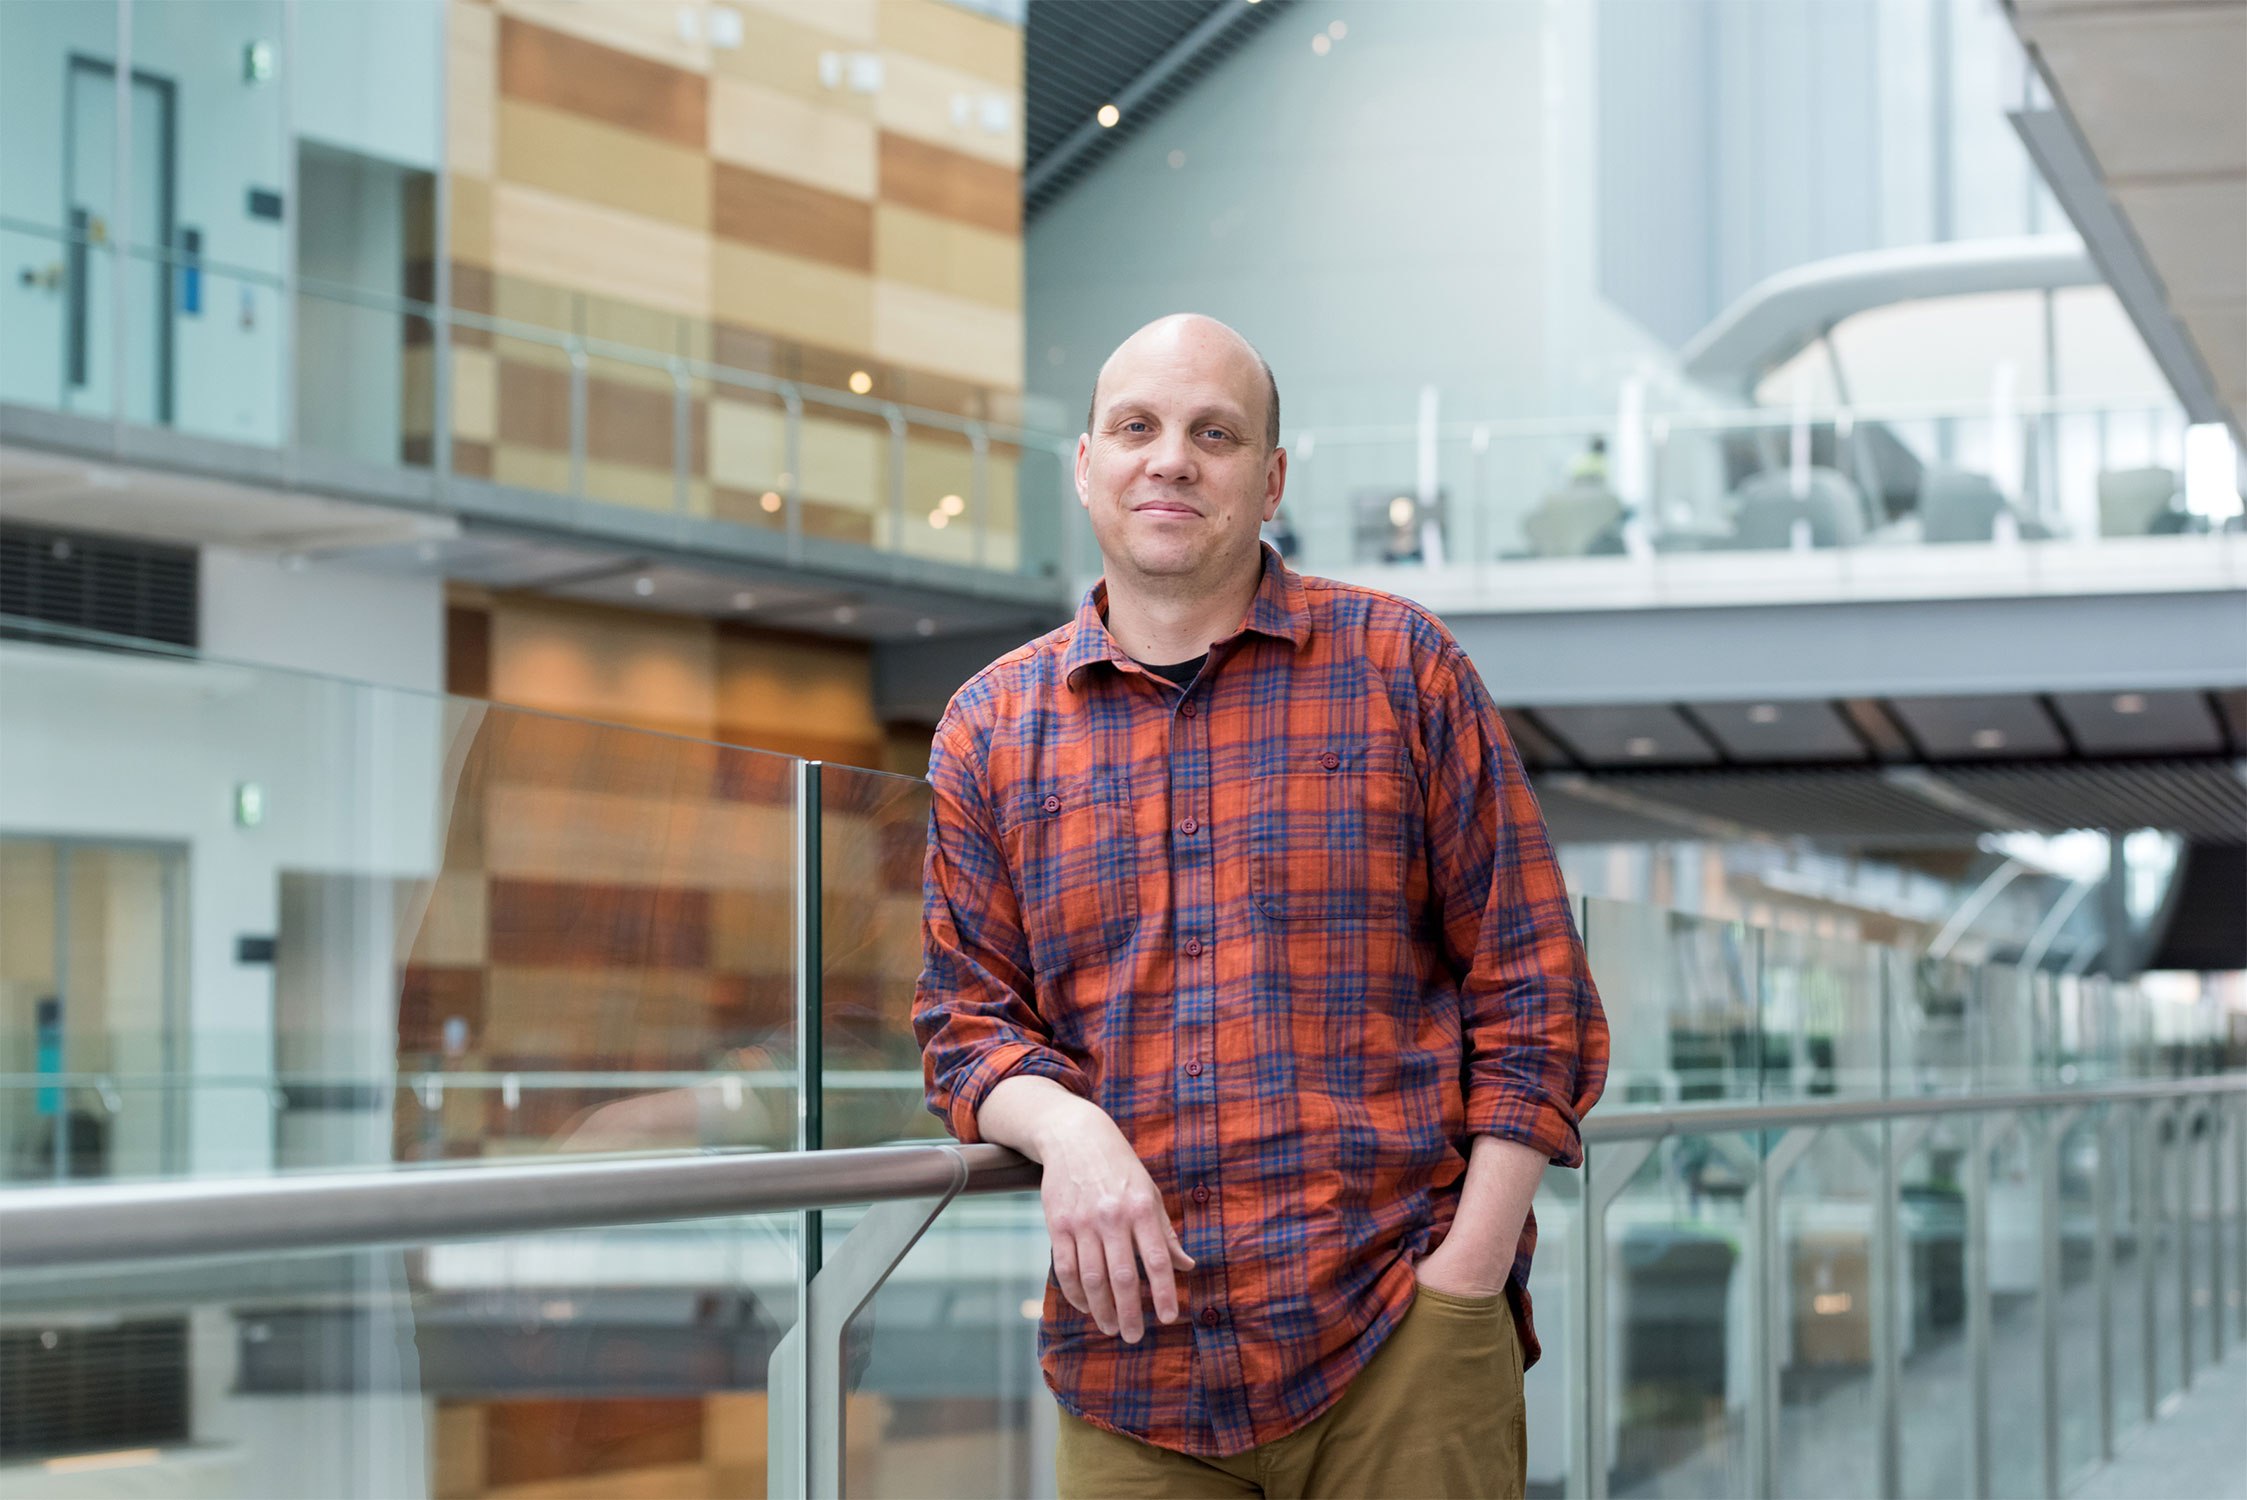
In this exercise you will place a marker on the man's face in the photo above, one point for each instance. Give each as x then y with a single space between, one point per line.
1175 472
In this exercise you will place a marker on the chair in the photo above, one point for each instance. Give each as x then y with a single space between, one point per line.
2132 501
1572 521
1766 510
1960 507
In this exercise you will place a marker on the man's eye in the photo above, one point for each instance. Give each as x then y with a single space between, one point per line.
1135 426
1218 433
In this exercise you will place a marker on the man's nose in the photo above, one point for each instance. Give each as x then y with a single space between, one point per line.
1172 460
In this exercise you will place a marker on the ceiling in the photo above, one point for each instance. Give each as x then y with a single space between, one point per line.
1138 55
2158 94
1892 772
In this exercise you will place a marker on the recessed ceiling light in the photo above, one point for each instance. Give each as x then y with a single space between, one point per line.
1640 746
1178 158
1764 713
2129 703
951 505
1322 44
924 626
938 519
1108 115
769 502
744 600
1400 511
643 585
845 613
1338 30
1989 739
861 382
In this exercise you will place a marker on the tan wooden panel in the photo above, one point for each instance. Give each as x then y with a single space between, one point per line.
846 463
793 297
637 485
960 39
531 468
916 100
946 255
791 217
973 340
451 930
815 687
471 87
748 444
580 157
641 27
934 180
778 53
549 238
786 135
548 833
475 394
548 67
841 20
617 666
471 220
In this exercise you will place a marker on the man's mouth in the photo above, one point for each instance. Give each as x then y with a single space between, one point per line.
1166 508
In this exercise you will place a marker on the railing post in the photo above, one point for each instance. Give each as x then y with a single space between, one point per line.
1771 1285
796 1436
1887 1357
2218 1122
2146 1235
1624 1160
2239 1203
897 432
682 437
576 350
1978 1308
979 500
2183 1159
2102 1272
792 478
2047 1144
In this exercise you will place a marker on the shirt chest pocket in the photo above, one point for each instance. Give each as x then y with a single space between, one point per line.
1075 862
1330 836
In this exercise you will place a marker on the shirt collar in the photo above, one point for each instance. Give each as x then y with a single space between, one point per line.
1278 610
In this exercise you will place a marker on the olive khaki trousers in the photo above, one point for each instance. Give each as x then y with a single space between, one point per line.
1436 1415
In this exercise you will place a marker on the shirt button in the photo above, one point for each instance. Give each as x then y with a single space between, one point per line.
1193 947
1188 709
1201 1194
1053 804
1330 760
1188 826
1193 1070
1209 1317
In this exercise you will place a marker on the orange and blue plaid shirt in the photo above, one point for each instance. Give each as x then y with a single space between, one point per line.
1297 928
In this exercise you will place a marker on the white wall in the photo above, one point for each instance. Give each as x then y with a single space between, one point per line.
386 628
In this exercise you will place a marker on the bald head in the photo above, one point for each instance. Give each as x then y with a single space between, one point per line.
1205 343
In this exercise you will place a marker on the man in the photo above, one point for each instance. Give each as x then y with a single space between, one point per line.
1241 919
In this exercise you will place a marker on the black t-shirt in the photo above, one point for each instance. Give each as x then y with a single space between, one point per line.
1178 672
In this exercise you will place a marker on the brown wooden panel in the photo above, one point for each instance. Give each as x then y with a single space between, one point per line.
428 996
529 1441
534 405
472 460
546 67
631 424
610 926
918 175
468 652
791 217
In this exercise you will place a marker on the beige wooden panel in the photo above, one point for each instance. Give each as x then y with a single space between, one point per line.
949 335
960 39
789 136
637 26
531 468
793 297
780 54
453 923
579 157
635 485
550 238
946 255
916 100
475 394
472 219
841 20
748 444
471 87
555 833
616 665
802 687
846 464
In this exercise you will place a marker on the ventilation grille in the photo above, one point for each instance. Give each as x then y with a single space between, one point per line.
92 1390
120 587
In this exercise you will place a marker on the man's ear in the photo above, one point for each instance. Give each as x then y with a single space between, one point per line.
1275 482
1083 471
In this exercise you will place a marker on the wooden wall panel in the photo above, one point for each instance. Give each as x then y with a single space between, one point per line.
958 39
475 395
567 925
562 242
782 54
934 180
748 445
548 834
973 340
792 218
946 255
795 298
640 27
845 463
471 87
786 135
843 20
471 227
575 156
916 100
545 66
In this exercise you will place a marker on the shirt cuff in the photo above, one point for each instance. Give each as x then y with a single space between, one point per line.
1008 1060
1543 1126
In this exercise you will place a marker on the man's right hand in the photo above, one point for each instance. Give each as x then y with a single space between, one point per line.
1102 1211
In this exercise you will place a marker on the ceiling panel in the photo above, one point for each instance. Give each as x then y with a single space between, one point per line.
1626 734
1801 730
2140 723
2204 799
2155 88
1979 728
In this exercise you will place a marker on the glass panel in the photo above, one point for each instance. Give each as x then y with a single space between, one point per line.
1931 1275
1549 1388
1931 1040
941 495
1682 999
2165 1192
746 454
2131 1247
1821 1017
846 478
518 391
2080 1150
604 1361
873 828
412 927
632 431
2016 1271
1679 1300
1828 1429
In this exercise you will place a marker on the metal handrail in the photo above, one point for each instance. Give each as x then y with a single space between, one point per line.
72 1226
194 1218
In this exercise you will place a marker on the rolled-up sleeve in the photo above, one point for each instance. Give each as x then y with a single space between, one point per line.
974 1010
1536 1038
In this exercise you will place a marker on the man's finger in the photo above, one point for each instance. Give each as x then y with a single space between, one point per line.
1152 1231
1099 1292
1065 1271
1123 1284
1178 1255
